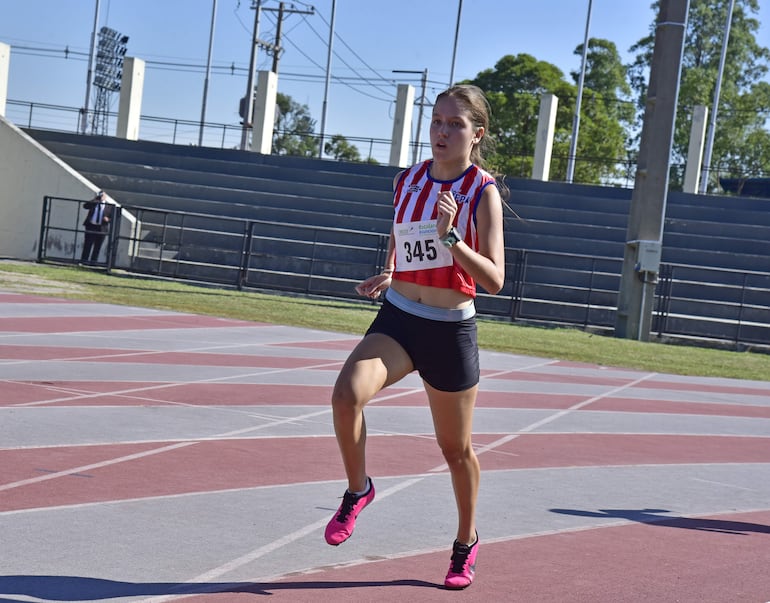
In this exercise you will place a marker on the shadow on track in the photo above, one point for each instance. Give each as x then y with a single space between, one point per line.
80 588
656 517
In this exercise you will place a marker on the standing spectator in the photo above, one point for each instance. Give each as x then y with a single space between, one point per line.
97 224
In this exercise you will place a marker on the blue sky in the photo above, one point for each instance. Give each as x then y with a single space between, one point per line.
373 38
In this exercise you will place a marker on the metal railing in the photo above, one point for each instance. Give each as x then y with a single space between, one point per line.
691 302
171 131
714 303
62 232
228 136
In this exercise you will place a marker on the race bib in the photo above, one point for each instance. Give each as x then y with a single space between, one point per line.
418 247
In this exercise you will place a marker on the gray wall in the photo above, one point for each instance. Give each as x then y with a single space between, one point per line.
28 172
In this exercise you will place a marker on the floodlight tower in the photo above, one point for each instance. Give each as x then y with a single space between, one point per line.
109 71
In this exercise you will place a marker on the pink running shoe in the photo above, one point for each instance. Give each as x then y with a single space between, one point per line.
341 526
462 568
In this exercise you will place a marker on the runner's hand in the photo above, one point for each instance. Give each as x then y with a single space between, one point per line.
447 208
373 286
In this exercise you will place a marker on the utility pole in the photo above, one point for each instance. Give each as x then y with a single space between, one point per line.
576 119
644 235
704 179
274 49
248 105
84 112
328 79
454 47
208 72
277 47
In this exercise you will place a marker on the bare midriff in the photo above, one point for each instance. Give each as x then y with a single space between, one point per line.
432 296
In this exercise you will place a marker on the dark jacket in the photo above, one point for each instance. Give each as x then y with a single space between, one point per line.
91 207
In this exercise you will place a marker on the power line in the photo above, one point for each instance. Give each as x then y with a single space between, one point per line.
182 67
346 45
41 51
361 79
233 68
353 83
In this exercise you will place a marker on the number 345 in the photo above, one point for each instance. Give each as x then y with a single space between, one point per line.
420 250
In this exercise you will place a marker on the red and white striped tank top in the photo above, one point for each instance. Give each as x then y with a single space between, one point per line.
420 256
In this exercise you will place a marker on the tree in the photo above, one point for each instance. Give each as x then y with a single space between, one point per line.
294 128
339 148
607 115
742 140
514 89
604 69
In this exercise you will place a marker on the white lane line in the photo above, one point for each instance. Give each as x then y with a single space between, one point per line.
584 403
406 392
549 419
84 468
723 484
308 529
167 385
300 533
268 548
520 369
162 449
132 353
324 411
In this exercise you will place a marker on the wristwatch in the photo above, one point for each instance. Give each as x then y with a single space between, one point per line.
451 238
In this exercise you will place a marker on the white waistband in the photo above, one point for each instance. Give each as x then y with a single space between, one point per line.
429 312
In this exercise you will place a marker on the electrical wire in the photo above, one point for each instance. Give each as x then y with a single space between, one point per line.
362 80
388 81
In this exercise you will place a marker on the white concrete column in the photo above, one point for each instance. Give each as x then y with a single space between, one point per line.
264 112
695 151
130 106
546 125
402 126
5 61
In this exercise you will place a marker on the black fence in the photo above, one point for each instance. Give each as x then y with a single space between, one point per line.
62 232
691 302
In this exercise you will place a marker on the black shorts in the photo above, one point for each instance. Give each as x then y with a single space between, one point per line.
445 354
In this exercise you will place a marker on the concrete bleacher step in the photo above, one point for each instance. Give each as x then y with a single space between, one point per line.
577 190
563 216
724 260
549 243
100 168
287 215
565 230
221 201
207 159
725 215
715 229
521 201
680 206
718 243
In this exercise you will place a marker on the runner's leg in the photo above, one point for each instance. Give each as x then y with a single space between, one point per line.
453 421
376 362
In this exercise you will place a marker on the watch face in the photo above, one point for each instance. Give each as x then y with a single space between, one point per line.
450 239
